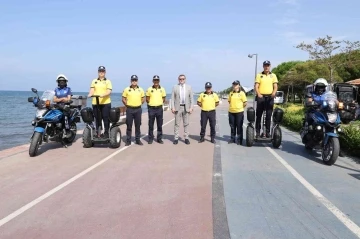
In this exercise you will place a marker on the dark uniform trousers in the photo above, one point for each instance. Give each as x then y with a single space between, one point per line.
206 116
105 113
267 104
155 112
236 121
133 114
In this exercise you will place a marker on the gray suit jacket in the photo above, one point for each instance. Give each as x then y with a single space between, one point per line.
175 98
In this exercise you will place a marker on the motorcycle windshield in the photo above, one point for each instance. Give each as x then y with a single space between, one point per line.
48 95
329 100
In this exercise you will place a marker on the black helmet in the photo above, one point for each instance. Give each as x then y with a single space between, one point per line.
208 85
134 77
156 77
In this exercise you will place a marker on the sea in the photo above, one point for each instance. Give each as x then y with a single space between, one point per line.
16 114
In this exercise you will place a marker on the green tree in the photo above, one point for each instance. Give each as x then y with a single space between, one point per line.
303 74
324 49
282 69
351 69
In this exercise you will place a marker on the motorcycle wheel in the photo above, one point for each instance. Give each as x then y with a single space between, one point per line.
73 130
87 138
331 151
250 136
115 137
277 138
35 143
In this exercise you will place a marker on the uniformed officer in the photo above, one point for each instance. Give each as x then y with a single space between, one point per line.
102 86
265 88
208 100
62 95
133 97
155 97
237 103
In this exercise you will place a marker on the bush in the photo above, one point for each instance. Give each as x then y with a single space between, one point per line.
293 116
350 138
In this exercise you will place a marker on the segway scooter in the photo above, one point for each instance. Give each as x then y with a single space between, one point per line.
92 136
275 131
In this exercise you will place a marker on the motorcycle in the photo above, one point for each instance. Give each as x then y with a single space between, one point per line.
323 132
48 120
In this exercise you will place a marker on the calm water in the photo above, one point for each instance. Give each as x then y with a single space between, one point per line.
16 115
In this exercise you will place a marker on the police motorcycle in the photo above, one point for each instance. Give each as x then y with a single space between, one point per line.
275 131
48 124
323 132
92 136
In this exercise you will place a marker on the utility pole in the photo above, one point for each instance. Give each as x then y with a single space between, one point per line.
256 59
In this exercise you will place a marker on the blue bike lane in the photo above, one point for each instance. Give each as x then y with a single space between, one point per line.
266 199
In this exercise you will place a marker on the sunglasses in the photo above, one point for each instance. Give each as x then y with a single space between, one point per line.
181 78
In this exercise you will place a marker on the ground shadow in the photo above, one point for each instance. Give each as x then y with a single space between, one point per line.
357 176
295 148
355 170
45 147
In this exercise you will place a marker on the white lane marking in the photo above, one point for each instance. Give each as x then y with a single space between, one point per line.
64 184
331 207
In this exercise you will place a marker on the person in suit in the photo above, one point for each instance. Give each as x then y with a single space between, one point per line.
182 98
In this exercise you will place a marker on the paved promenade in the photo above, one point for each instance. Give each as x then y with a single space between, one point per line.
178 191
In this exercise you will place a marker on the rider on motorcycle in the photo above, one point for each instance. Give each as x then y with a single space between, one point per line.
62 95
319 88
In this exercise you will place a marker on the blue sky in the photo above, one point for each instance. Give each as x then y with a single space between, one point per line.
206 40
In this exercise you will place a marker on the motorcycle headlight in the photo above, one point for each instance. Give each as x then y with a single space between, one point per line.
40 113
331 105
332 117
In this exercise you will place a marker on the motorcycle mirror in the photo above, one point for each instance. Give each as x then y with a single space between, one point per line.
34 90
31 99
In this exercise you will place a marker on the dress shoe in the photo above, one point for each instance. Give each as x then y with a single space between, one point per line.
160 141
201 139
187 141
176 141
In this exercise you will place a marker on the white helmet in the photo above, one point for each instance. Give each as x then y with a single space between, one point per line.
61 77
321 81
322 84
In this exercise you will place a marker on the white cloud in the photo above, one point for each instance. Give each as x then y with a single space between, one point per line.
295 37
290 2
286 21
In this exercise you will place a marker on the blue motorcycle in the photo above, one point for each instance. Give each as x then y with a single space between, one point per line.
48 122
322 131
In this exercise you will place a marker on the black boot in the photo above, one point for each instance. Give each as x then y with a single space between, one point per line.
201 139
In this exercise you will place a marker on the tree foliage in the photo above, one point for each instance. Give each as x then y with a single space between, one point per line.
324 49
282 69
